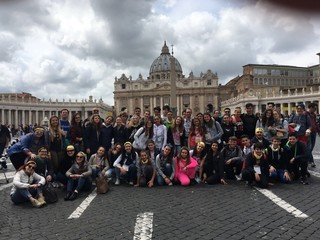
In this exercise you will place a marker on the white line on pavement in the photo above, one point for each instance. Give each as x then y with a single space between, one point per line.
82 207
316 174
283 204
8 174
143 228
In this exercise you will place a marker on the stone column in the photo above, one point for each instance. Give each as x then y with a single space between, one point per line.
23 116
16 117
9 117
30 117
37 117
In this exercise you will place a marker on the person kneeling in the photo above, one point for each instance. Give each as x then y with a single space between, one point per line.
145 171
78 177
256 167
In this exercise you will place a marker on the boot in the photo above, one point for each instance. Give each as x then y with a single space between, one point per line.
41 199
35 203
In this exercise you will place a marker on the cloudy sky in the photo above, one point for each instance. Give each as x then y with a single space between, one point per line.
63 49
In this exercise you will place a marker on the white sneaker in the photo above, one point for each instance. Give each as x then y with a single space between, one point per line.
117 182
238 177
131 183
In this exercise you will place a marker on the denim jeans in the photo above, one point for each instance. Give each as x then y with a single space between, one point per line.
96 172
111 173
23 194
130 175
167 170
82 183
279 174
311 143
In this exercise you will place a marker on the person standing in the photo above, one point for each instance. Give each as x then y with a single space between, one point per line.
249 121
64 122
5 139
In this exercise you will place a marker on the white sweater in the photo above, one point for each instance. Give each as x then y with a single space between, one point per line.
22 180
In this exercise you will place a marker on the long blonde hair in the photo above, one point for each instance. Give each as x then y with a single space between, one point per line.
55 131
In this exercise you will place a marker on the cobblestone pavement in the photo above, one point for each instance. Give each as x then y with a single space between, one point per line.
233 211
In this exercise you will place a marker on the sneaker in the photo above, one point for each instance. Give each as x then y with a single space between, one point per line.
238 177
117 182
313 165
304 181
73 196
109 179
131 183
198 180
67 197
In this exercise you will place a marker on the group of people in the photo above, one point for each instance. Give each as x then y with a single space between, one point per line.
145 150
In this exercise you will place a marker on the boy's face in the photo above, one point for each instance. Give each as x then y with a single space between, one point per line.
275 143
292 140
245 142
43 154
258 151
232 143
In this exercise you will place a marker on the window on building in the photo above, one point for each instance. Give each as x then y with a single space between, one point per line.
123 86
186 99
209 82
146 100
269 72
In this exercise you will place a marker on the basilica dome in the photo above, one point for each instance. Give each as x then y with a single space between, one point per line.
162 63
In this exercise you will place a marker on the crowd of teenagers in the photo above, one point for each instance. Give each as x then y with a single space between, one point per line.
145 150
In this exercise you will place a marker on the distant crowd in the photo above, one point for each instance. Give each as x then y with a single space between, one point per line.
158 149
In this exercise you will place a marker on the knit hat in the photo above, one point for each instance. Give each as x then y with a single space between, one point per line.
70 148
127 143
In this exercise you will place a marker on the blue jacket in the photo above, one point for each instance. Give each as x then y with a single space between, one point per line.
26 144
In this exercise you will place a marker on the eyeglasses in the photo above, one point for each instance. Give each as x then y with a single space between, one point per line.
259 132
31 167
70 151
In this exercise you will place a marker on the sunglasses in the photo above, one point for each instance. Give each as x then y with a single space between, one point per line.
30 166
70 151
79 156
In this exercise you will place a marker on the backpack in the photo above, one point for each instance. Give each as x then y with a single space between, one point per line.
49 193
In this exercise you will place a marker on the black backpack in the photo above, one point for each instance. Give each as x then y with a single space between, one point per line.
49 193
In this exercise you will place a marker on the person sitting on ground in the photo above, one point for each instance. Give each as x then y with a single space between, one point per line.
232 156
185 167
112 155
165 166
44 165
125 165
79 177
256 167
212 166
298 158
67 161
27 185
199 154
278 161
98 162
146 171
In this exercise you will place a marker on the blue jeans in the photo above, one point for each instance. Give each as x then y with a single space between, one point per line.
167 170
96 172
176 150
23 194
311 143
130 175
111 173
82 183
279 174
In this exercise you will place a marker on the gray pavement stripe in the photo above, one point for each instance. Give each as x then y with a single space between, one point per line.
6 186
143 228
83 206
313 173
283 204
8 174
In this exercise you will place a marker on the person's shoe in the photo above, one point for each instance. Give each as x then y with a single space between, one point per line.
308 174
198 180
249 184
42 200
117 182
36 203
73 196
68 195
109 179
313 165
304 181
238 177
131 183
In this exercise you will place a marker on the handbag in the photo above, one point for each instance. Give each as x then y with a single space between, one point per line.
102 185
50 193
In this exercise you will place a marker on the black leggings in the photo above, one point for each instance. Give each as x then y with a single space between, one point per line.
18 159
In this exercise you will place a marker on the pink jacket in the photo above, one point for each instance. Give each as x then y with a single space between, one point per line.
191 168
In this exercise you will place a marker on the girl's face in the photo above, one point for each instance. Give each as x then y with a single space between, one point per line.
276 115
214 147
178 120
96 119
196 122
128 148
54 122
149 124
237 112
184 153
70 153
151 146
118 148
157 120
199 148
143 156
100 151
39 133
268 114
79 158
77 118
206 118
30 168
166 150
118 121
